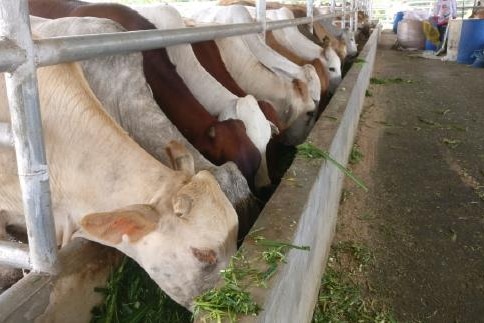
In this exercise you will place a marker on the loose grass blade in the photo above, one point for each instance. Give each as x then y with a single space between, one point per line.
308 150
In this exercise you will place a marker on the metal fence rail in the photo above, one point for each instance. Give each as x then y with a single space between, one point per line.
23 100
19 58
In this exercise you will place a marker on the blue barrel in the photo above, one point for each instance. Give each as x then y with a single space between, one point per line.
398 17
471 39
429 45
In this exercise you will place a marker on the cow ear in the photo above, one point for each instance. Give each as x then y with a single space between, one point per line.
274 129
300 87
211 132
110 228
180 157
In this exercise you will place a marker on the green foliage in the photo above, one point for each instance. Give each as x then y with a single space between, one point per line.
359 252
309 151
340 297
396 80
356 155
232 299
359 62
132 296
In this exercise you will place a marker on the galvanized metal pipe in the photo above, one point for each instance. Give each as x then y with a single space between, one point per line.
11 57
6 137
23 100
260 16
66 49
356 19
343 19
14 254
370 10
57 50
278 24
333 5
351 15
310 12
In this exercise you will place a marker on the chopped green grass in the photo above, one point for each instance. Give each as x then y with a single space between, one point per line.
396 80
434 124
452 143
359 61
132 296
309 151
356 155
341 298
368 94
232 299
375 80
359 252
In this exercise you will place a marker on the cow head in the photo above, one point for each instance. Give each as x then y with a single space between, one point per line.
182 240
333 64
228 141
349 38
258 129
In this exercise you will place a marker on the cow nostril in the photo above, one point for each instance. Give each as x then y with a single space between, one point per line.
310 113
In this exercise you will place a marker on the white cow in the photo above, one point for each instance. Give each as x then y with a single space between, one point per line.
119 83
345 34
293 40
237 14
290 96
215 98
177 225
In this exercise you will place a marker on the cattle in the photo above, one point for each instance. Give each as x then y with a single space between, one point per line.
177 224
130 102
290 96
216 99
321 70
270 59
208 55
342 40
294 41
218 141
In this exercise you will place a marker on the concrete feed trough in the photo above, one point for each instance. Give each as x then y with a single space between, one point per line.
304 208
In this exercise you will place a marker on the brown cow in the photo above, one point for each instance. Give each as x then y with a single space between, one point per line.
218 141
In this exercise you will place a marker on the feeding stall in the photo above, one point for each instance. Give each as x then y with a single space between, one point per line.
302 211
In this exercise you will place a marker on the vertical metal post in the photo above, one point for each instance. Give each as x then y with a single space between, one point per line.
356 9
310 12
28 139
260 16
370 10
343 19
332 7
352 7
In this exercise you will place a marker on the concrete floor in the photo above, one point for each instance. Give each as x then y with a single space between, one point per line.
423 141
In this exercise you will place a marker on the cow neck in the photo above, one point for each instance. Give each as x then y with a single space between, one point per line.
169 90
174 97
209 57
99 164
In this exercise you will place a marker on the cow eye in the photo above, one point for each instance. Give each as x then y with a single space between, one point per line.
332 69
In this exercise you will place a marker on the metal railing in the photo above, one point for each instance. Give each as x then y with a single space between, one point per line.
20 56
